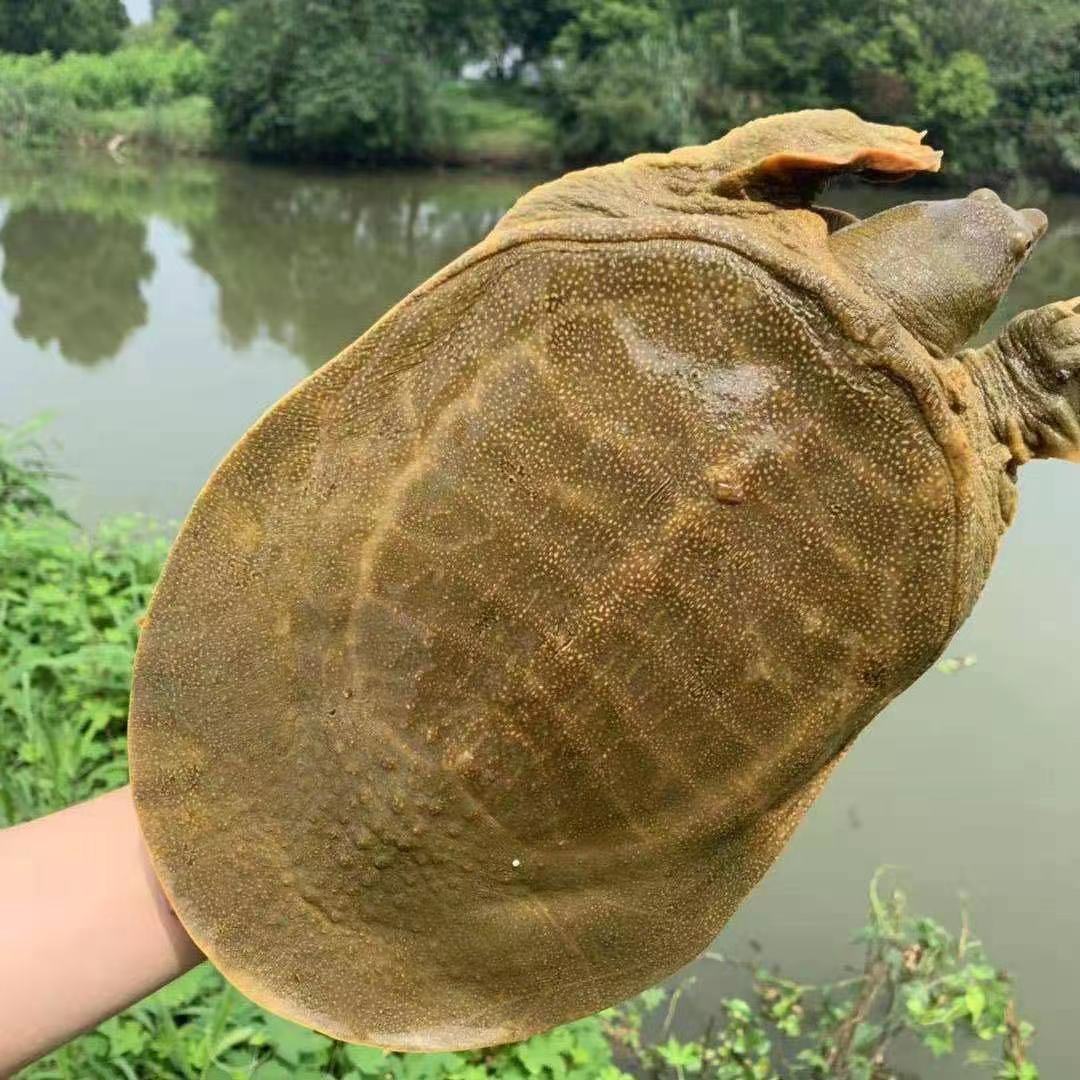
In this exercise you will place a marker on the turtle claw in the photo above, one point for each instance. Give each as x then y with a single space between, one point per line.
1063 341
1062 309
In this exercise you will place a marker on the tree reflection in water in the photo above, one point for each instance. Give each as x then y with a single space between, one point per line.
312 261
308 259
77 278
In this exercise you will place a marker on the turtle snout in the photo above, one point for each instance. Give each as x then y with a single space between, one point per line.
1035 221
1029 225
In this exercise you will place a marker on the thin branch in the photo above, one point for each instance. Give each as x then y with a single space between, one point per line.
1014 1040
877 977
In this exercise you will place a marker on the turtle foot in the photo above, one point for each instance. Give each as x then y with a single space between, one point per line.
1049 338
1030 379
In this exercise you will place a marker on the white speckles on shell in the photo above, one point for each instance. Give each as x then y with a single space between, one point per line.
520 636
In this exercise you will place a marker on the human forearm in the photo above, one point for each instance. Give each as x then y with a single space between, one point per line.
84 927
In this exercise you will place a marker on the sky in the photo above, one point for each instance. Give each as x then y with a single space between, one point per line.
138 10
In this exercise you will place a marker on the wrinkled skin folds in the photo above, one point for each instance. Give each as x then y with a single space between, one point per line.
498 661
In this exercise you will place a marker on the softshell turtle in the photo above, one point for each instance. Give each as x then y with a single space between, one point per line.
499 660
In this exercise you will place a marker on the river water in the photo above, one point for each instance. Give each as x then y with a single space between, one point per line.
156 311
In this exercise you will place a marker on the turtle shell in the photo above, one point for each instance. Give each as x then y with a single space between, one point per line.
497 662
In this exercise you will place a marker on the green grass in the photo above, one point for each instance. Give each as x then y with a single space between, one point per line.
199 1027
68 609
70 604
183 126
480 124
137 74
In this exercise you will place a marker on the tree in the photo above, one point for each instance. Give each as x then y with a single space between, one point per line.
526 31
193 17
323 78
59 26
507 34
621 80
994 81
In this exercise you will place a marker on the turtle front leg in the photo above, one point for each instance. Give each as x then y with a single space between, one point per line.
1030 377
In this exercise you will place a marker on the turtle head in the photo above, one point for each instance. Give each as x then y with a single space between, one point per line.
942 266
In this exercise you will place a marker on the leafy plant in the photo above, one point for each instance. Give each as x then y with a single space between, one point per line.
603 107
299 78
199 1028
68 609
45 100
32 114
487 124
919 984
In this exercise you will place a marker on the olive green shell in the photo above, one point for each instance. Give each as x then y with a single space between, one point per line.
497 662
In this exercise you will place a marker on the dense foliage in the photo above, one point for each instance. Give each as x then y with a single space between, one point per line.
152 87
994 81
193 17
56 26
67 635
309 78
70 605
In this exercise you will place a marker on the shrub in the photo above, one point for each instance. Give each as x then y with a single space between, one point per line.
32 113
183 126
192 17
69 604
44 101
621 81
137 75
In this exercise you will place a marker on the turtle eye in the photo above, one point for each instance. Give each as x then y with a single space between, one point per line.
1019 244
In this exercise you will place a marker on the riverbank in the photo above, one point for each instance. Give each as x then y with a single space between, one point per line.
482 131
149 97
147 93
